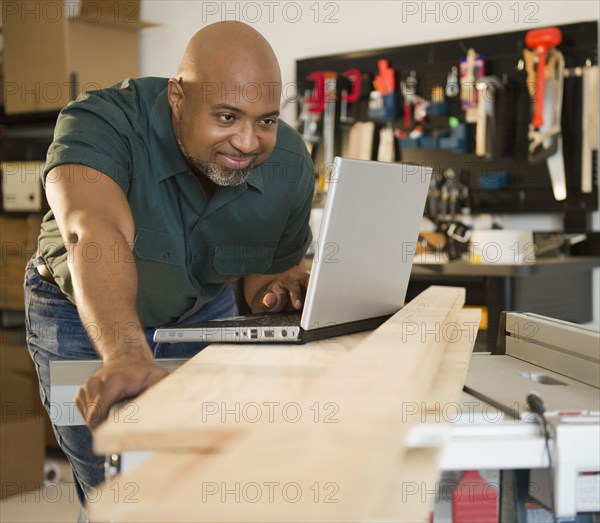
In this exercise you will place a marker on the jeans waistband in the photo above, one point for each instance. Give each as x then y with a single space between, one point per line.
40 265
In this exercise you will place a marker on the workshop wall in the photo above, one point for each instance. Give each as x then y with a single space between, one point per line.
299 30
305 29
343 25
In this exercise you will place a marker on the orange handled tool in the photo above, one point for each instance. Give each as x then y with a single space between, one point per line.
542 41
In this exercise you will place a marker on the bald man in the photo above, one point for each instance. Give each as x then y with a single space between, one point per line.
163 191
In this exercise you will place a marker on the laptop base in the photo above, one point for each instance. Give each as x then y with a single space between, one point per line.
282 328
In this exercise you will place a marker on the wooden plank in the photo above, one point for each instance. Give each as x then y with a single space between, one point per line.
328 471
455 364
137 496
147 494
412 492
212 398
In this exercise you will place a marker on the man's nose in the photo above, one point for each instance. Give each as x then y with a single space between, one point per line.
245 140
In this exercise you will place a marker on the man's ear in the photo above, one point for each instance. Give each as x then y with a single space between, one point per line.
176 96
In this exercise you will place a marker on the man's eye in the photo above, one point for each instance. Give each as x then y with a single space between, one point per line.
269 121
226 117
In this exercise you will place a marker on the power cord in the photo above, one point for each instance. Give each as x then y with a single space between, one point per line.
536 405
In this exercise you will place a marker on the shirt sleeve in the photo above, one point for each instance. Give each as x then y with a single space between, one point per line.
297 235
93 131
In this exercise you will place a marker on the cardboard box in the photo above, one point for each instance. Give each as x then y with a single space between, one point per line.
55 49
20 398
21 456
22 428
18 243
11 293
14 336
19 389
22 186
19 236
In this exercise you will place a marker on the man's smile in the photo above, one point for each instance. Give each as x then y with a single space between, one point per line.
235 162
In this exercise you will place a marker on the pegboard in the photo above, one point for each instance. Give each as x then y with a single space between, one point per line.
528 188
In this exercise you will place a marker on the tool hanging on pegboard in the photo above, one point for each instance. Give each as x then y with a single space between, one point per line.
319 108
313 104
589 126
545 85
472 68
485 134
349 85
330 98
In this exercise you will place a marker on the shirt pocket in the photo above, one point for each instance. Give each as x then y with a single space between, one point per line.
160 262
242 259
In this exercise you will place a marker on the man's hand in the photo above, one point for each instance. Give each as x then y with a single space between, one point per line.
286 292
277 292
121 377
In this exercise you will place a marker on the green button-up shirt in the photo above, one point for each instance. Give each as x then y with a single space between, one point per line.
186 247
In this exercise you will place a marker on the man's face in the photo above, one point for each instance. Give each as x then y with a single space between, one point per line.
225 129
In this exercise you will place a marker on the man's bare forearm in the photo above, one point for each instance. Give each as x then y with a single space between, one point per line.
105 285
96 224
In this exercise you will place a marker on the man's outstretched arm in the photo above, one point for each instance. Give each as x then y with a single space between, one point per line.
96 224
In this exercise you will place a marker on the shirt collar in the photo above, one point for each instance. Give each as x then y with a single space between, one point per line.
166 156
255 179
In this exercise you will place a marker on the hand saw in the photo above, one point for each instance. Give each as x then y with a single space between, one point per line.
545 128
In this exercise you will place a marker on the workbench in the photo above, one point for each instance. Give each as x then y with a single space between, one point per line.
293 433
356 428
556 287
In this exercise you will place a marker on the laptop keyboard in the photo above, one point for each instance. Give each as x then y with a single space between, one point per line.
283 319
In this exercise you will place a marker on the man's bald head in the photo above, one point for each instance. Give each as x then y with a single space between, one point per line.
225 102
219 50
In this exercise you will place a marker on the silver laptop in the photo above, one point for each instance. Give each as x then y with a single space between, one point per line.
361 266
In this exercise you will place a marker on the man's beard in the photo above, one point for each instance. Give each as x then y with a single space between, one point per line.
218 174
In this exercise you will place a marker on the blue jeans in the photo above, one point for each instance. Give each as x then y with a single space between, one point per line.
55 332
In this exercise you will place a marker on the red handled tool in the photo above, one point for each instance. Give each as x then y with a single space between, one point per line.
349 84
542 41
545 141
354 94
313 106
316 103
409 92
